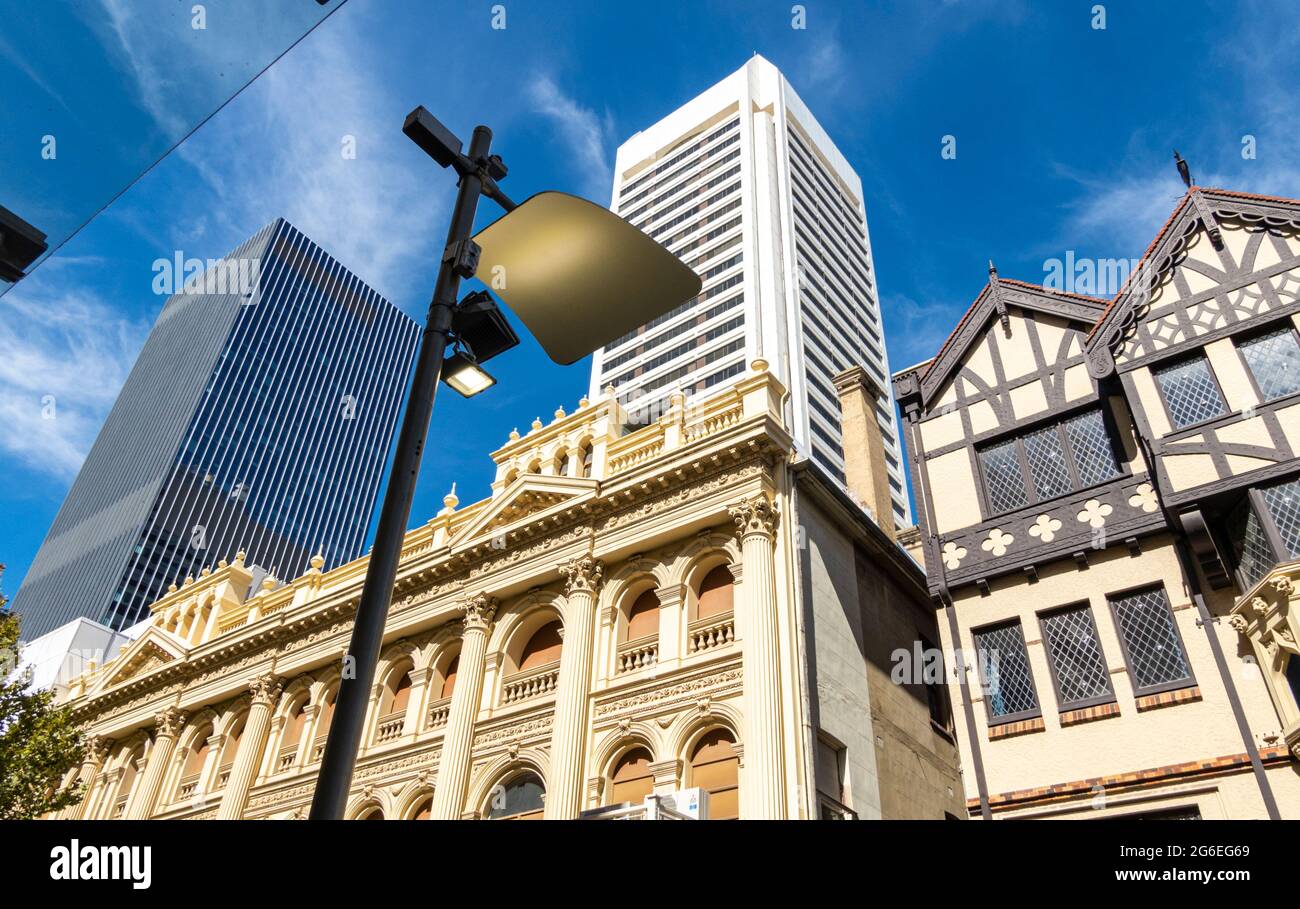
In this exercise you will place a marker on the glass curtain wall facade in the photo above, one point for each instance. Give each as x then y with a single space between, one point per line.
257 417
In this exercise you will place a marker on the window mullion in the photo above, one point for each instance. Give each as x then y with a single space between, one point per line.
1076 478
1026 477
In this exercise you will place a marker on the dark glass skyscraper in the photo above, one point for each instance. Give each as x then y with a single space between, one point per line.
257 417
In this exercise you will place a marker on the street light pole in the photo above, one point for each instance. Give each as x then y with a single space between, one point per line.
335 780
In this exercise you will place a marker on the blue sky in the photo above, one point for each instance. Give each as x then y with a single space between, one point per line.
1063 134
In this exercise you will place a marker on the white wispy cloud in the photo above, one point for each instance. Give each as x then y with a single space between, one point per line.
377 212
64 354
916 329
279 148
826 65
585 132
1122 209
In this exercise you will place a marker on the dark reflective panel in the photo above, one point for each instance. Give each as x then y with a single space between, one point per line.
147 73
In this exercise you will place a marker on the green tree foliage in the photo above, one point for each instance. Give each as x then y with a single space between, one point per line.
39 742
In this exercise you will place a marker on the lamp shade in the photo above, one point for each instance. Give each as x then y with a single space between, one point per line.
577 275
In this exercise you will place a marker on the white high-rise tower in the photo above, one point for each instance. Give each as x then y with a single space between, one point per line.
744 186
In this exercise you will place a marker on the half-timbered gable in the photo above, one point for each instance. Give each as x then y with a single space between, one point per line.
1204 342
1025 457
1091 480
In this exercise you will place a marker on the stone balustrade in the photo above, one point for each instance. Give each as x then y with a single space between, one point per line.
534 683
638 654
710 633
439 711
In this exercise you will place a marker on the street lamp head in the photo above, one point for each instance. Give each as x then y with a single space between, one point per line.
481 327
465 376
438 142
578 275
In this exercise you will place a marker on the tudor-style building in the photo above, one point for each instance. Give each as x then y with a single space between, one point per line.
630 612
1109 494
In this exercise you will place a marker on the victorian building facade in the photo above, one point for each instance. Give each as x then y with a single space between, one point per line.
1109 494
687 605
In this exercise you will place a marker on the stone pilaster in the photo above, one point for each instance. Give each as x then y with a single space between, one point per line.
168 726
416 712
96 751
763 784
583 579
252 747
458 740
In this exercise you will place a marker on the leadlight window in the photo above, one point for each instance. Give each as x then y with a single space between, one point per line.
1002 473
1004 666
1190 393
1274 361
1048 462
1265 530
1094 456
1282 501
1156 660
1074 652
1254 553
1047 465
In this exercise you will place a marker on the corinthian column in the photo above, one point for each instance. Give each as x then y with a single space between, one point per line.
168 724
763 786
96 750
252 746
458 739
569 735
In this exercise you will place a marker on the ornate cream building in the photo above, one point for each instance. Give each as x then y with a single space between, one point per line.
1110 497
683 605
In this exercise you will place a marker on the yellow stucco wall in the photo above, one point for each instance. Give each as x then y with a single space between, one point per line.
1133 740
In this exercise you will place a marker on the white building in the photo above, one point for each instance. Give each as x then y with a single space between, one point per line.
743 185
56 657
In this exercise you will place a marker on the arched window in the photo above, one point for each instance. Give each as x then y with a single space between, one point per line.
424 812
715 594
535 467
197 757
642 617
562 465
585 470
542 648
292 735
323 720
449 678
228 752
715 766
511 476
520 799
118 808
631 780
195 760
374 814
396 695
